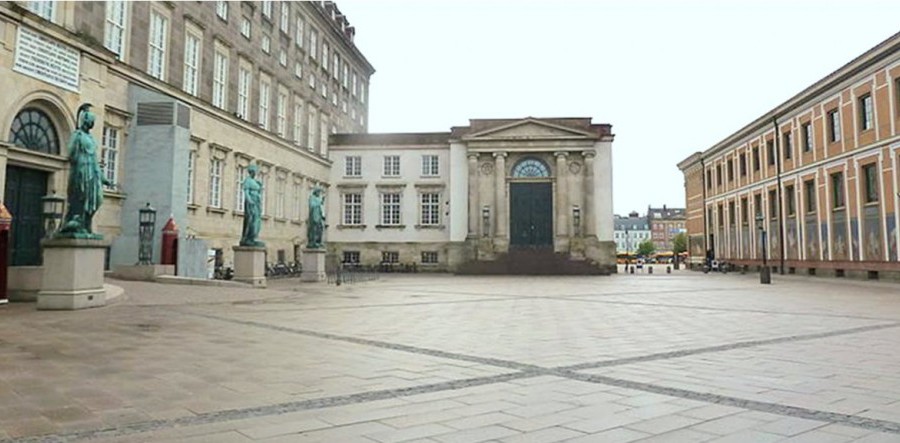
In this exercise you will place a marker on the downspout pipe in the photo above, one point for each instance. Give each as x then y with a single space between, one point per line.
778 169
706 245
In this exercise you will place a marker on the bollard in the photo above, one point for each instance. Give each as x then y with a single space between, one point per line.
632 269
668 269
340 267
650 269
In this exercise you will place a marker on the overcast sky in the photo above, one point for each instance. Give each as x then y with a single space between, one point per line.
672 77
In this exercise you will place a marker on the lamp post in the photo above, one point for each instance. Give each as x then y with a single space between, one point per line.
146 226
765 274
52 212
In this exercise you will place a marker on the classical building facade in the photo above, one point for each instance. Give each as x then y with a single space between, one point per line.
187 95
818 175
474 194
629 232
665 224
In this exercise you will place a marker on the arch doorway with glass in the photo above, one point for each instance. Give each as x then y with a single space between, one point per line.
531 206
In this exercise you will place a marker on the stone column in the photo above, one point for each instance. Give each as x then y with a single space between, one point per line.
562 194
500 204
589 210
474 211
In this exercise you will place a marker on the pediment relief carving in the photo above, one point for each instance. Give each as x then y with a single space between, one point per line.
530 129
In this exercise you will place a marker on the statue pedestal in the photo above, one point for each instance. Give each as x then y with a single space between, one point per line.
250 265
313 265
72 276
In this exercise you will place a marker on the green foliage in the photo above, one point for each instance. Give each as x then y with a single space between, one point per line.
646 248
679 243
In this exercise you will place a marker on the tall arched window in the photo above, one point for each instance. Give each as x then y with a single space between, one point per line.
32 129
530 168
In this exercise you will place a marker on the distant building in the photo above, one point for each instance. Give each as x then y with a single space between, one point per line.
665 224
629 232
818 174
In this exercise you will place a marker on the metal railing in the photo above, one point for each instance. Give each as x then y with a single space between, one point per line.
344 273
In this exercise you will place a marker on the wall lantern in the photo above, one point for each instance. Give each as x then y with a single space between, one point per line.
52 212
576 217
146 226
486 220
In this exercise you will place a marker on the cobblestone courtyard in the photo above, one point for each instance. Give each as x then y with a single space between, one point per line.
653 358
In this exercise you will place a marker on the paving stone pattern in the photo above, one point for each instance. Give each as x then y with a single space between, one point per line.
685 357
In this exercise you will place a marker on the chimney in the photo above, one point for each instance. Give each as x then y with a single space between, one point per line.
351 32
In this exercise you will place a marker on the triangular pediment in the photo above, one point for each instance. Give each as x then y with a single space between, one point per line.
530 129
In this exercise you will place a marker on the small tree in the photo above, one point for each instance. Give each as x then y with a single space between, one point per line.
679 243
646 248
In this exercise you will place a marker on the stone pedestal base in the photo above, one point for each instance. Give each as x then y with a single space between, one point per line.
72 276
143 272
250 265
313 265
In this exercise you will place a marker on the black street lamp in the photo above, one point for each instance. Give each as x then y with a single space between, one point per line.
52 212
765 274
146 226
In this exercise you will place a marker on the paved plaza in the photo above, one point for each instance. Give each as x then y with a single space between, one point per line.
685 357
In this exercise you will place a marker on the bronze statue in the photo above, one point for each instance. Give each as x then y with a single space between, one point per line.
85 192
252 189
315 225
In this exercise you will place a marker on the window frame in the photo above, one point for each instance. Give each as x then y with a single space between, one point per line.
352 208
870 180
391 166
353 166
391 208
838 199
110 143
834 125
431 166
430 211
866 112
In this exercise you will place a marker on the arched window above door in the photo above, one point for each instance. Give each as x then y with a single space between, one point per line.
33 129
530 168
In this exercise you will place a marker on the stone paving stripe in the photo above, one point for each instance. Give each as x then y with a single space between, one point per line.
725 347
269 410
389 305
753 405
508 364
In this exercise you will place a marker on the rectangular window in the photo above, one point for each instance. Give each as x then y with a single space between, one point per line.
730 168
312 81
870 174
429 257
392 165
191 62
244 84
352 209
809 191
110 154
220 80
240 173
264 182
351 257
721 220
159 31
313 44
279 197
281 115
323 134
756 162
267 9
353 166
345 76
731 213
353 84
266 44
390 257
743 164
298 200
834 125
282 58
263 104
719 175
192 161
807 137
757 204
285 16
770 152
115 27
430 209
787 144
362 92
336 66
709 181
222 10
325 55
789 200
298 31
745 211
44 9
773 204
215 182
298 122
430 165
866 115
312 125
390 209
246 27
837 190
298 69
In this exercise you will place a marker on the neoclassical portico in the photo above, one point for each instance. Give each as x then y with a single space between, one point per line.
540 187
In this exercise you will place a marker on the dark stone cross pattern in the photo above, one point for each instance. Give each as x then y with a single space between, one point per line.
521 371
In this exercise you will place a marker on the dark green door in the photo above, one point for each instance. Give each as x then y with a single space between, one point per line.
24 190
531 215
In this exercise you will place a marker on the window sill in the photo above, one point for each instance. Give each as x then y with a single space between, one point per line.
280 220
391 176
353 177
871 204
390 226
351 227
297 222
210 209
237 214
264 217
192 207
113 194
438 227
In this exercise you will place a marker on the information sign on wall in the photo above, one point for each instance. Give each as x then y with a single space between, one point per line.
46 59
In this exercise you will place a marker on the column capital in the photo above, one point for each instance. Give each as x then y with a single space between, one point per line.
589 154
472 156
500 154
563 154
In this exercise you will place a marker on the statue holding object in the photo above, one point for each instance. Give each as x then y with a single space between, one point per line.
252 189
315 228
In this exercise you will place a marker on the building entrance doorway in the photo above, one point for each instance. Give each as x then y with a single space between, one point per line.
24 190
531 215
